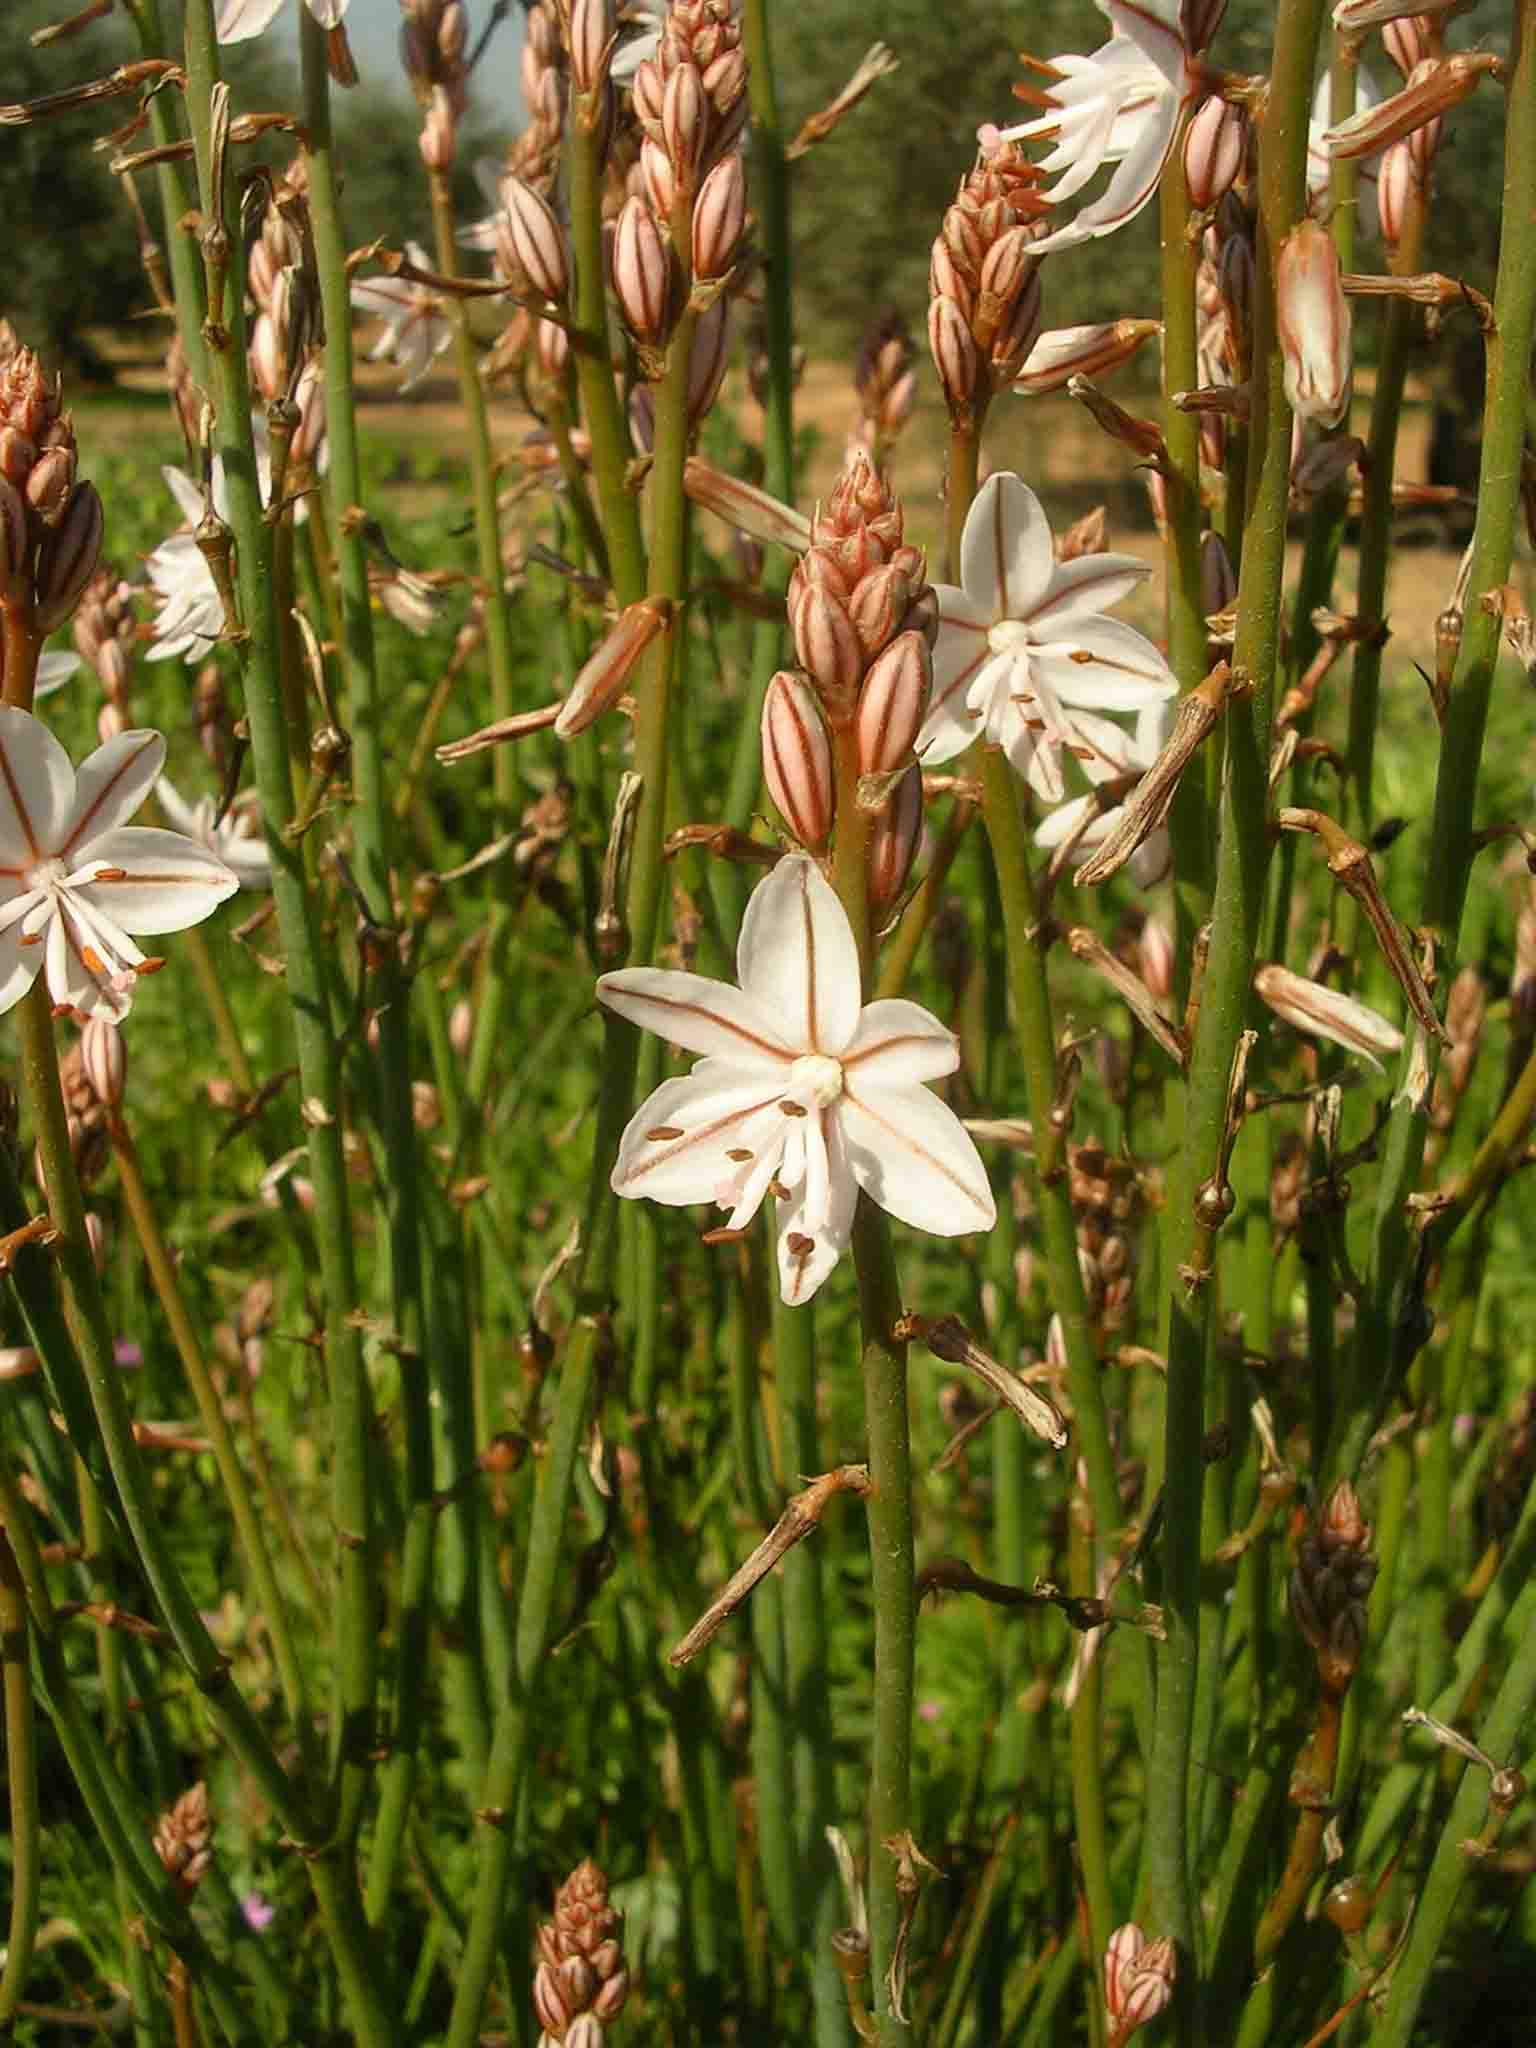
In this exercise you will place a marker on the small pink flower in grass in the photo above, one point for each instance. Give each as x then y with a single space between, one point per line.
1024 649
805 1091
258 1911
76 880
1120 106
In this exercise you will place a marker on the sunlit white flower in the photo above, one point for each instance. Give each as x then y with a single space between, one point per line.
236 839
1112 751
416 329
1120 106
1024 650
76 880
191 614
805 1091
240 20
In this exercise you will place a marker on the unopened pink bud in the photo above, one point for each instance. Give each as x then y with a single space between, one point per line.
1356 15
1065 352
953 351
1312 315
111 722
548 2001
67 560
828 647
642 272
656 175
1405 41
893 704
601 680
894 839
554 347
719 216
591 31
585 2031
1218 580
1154 953
878 606
797 759
1397 185
685 123
15 542
1016 337
49 484
1138 1978
461 1027
1215 144
439 139
537 239
266 352
706 366
96 1238
104 1060
1007 263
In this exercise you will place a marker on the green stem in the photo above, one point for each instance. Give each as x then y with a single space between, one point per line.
1242 857
210 1409
1451 842
21 1779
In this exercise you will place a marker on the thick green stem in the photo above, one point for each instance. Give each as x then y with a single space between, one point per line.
1196 1198
21 1781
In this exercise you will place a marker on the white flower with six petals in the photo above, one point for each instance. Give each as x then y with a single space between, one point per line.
236 839
1120 106
1024 652
76 880
416 329
804 1091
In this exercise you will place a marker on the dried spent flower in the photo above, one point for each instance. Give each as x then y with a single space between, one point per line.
1314 324
1324 1012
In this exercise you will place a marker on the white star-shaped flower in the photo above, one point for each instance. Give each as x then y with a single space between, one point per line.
240 20
236 839
1024 649
805 1091
1120 106
76 880
191 614
416 329
1112 751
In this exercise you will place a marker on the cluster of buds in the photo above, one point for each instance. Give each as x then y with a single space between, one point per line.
983 282
1139 1977
1224 287
285 366
863 616
242 1342
1330 1584
535 155
184 1839
1107 1203
92 1074
679 233
50 522
434 40
581 1980
104 634
885 379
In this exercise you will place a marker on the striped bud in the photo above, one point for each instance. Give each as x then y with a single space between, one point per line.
1397 183
685 123
15 541
537 240
953 351
1138 1978
719 216
797 759
893 704
1065 352
67 560
706 366
601 680
894 839
878 606
1215 144
104 1061
828 647
591 32
642 273
1313 318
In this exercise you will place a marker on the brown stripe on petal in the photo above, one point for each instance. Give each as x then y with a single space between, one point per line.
911 1144
23 815
774 1052
93 810
897 1038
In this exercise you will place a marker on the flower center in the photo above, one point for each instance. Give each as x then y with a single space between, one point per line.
816 1080
47 873
1010 636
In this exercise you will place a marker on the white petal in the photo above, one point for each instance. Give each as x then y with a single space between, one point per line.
1153 26
85 973
719 1108
1062 822
328 12
802 1269
1005 549
240 20
18 968
1134 181
1084 586
899 1041
1104 665
696 1013
1036 756
247 857
111 785
53 672
1108 749
797 959
950 725
37 788
186 493
147 880
912 1155
178 813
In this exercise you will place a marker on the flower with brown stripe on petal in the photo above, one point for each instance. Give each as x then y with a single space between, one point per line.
805 1091
76 880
